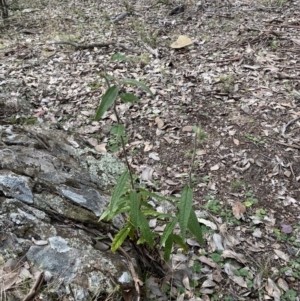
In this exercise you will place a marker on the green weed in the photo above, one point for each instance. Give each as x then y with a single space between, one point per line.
132 200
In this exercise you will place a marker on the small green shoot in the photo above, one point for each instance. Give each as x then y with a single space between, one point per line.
254 139
250 199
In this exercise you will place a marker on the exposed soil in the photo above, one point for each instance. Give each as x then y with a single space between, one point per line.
239 80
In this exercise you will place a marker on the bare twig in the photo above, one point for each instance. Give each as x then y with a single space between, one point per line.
284 127
120 17
82 46
35 287
151 50
90 46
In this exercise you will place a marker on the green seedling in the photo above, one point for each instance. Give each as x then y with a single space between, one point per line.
132 200
213 205
227 82
237 185
250 199
254 139
206 179
216 257
290 295
196 268
274 44
261 213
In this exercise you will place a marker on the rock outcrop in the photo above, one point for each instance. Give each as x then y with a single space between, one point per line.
53 188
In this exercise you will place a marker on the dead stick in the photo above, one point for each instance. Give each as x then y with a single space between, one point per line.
35 287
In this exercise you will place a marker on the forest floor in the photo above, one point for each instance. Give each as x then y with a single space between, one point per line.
239 79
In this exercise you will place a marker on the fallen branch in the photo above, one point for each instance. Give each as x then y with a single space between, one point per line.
90 46
288 145
120 17
81 47
34 290
284 127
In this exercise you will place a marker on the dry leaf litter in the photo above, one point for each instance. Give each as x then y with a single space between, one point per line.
234 68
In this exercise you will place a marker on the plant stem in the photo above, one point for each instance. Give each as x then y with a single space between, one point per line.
122 139
123 148
193 159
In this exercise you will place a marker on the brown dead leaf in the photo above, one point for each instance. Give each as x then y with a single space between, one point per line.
200 152
182 41
187 128
39 113
215 167
230 254
236 141
283 284
101 148
148 146
170 182
147 173
92 141
208 261
282 255
239 280
238 209
9 279
186 281
159 122
296 41
154 156
273 290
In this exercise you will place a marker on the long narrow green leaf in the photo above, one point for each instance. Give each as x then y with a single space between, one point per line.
149 212
178 240
119 210
168 247
168 230
104 214
134 209
121 183
134 82
145 229
195 227
120 237
107 100
129 97
121 207
185 207
148 193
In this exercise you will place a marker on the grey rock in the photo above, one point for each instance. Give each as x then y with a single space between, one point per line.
53 189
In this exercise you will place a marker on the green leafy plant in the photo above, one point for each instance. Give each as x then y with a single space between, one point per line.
254 139
147 36
132 200
290 295
196 268
206 179
237 185
274 44
250 199
213 205
216 257
227 82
